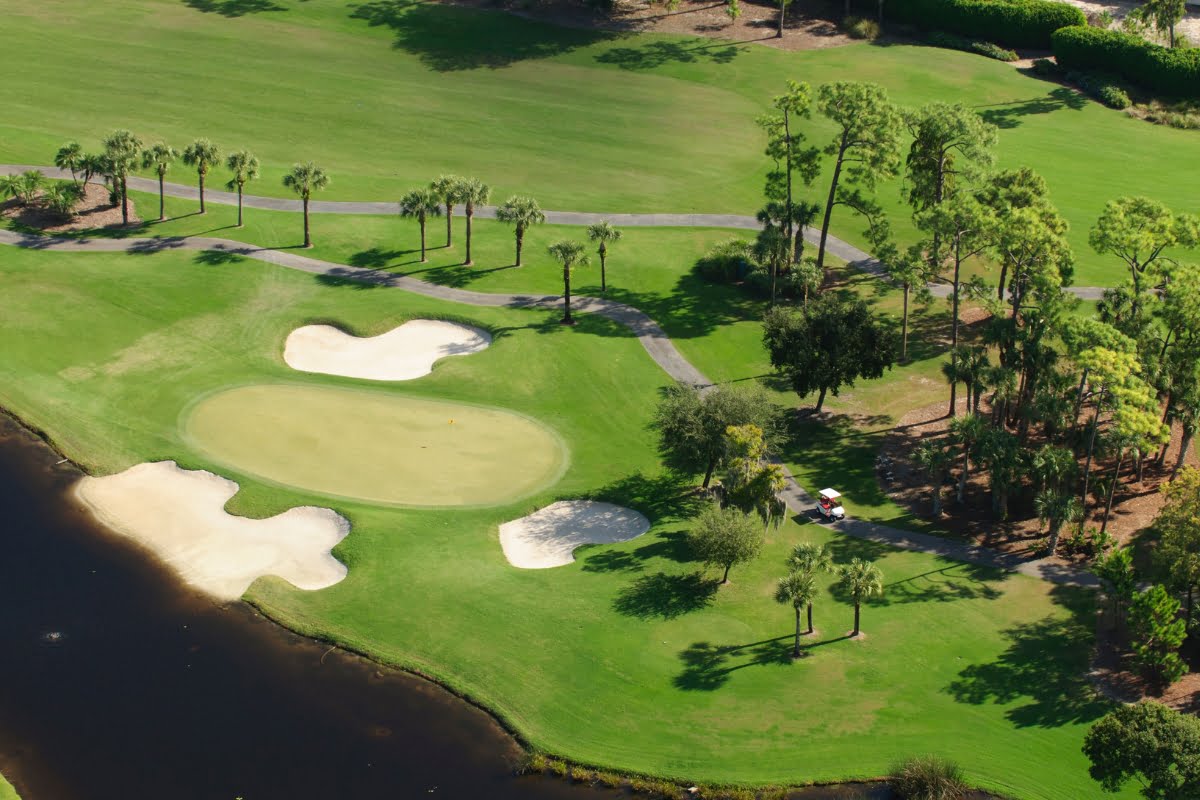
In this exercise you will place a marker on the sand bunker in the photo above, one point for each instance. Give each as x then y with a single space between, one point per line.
548 537
179 514
401 354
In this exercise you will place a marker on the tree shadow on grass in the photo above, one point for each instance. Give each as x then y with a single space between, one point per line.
233 8
665 596
376 258
1042 674
695 307
448 39
352 279
659 52
670 545
658 497
217 258
1010 115
707 667
956 581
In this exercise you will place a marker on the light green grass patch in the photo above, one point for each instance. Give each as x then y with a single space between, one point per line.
382 448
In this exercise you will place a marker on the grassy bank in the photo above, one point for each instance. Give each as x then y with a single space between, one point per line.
386 95
629 658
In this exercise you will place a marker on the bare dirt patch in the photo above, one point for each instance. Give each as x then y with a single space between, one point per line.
1135 504
809 26
92 212
1115 674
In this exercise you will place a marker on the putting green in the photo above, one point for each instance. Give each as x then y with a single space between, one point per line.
376 446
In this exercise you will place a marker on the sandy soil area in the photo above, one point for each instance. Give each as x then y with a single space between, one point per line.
401 354
180 516
548 537
1189 26
93 211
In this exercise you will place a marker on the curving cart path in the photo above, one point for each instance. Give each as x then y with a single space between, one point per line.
652 337
859 259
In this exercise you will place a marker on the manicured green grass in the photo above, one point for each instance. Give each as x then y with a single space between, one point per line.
629 658
376 446
386 95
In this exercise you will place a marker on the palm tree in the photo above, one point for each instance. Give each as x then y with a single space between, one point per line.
799 589
92 164
121 151
70 157
810 558
304 179
934 459
160 157
202 154
966 431
862 581
244 166
1056 508
521 213
604 233
570 255
474 193
450 189
24 187
420 204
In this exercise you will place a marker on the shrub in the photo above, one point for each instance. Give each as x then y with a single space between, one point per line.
952 42
928 778
1101 87
1045 68
726 262
1174 73
861 28
1183 115
1012 23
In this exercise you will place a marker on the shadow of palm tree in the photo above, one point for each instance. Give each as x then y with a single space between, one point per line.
1009 115
657 53
707 667
216 258
233 8
665 596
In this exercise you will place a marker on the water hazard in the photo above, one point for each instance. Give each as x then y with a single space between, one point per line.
118 683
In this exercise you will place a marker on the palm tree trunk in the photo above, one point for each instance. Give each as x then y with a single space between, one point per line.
962 477
241 189
779 35
603 279
1186 445
307 236
201 192
937 497
449 225
567 296
124 201
857 606
520 241
796 646
1112 490
837 172
810 627
1055 533
422 224
470 214
162 214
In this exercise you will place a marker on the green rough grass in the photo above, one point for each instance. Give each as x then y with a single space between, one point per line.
627 658
580 119
7 792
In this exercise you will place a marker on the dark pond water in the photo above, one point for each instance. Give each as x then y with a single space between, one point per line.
116 682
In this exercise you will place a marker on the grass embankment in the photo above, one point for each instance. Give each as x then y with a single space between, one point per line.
629 658
386 95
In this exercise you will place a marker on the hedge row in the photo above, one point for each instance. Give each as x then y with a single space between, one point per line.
1173 73
1012 23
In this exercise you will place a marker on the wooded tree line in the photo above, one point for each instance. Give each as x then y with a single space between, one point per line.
1064 392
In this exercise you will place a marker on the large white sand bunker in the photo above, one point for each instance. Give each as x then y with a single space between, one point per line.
180 515
401 354
548 537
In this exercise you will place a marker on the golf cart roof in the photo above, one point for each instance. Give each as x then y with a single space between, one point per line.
830 494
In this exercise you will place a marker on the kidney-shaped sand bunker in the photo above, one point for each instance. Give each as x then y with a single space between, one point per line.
401 354
549 536
376 446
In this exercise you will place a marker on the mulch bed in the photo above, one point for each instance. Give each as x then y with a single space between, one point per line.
93 211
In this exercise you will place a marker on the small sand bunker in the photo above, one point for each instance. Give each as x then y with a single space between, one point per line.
548 537
401 354
180 515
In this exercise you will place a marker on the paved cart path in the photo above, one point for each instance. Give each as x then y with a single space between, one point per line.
652 337
859 259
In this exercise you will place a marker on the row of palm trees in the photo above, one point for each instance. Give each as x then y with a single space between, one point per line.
861 580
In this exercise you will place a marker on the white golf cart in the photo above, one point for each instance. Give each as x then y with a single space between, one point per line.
828 505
